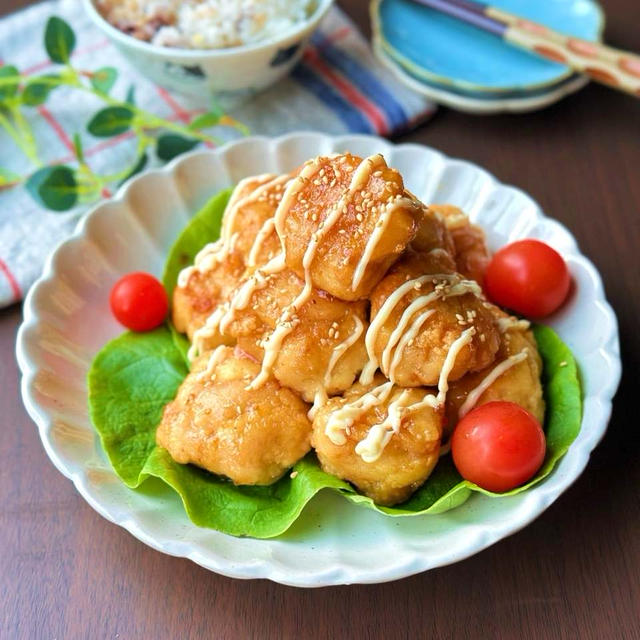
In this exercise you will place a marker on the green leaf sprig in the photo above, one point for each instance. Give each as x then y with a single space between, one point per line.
62 187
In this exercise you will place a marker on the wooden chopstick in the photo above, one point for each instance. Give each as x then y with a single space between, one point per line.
613 67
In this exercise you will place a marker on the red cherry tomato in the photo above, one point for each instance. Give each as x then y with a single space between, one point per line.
498 445
529 277
139 301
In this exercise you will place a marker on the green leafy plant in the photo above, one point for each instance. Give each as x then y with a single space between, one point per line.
62 187
135 375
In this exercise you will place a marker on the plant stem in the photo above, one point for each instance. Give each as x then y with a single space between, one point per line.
17 138
27 134
27 80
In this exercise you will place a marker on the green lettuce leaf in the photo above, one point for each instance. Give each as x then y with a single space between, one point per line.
202 228
135 375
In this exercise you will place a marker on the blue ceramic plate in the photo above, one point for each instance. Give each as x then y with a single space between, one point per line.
441 49
482 103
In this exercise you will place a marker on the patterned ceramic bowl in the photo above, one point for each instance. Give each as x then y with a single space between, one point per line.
232 74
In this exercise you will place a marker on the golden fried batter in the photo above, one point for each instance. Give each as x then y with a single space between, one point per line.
433 234
248 219
333 270
325 347
418 312
520 383
215 422
194 302
348 220
248 240
470 248
410 453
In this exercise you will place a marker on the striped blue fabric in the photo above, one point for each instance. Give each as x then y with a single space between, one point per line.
363 79
352 117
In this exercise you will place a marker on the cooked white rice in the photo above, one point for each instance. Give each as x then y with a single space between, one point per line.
205 24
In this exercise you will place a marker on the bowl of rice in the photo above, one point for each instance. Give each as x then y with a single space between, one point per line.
231 48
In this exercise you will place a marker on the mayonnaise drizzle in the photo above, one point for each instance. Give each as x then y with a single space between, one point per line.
224 313
216 252
374 238
294 187
453 286
319 400
496 372
264 181
341 419
340 349
265 231
288 319
214 359
504 324
370 448
449 362
407 339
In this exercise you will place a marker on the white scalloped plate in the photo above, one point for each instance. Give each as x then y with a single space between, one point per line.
67 320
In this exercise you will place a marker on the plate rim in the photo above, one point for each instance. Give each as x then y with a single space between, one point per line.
480 106
344 574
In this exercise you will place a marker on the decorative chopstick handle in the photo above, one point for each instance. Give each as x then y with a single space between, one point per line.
618 69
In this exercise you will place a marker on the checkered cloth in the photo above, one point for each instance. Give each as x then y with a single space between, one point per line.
338 87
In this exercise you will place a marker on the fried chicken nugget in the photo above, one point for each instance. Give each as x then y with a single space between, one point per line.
249 220
199 293
383 439
514 377
344 221
420 312
324 348
215 422
433 234
470 248
247 240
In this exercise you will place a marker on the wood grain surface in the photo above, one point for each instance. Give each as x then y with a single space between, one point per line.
67 573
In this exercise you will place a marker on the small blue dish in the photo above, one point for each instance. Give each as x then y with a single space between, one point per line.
437 48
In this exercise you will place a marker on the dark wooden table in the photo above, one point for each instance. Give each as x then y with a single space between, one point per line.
67 573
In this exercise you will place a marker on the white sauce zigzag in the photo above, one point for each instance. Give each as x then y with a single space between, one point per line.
496 372
288 319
